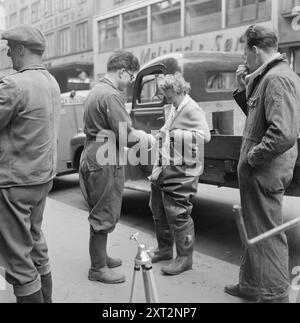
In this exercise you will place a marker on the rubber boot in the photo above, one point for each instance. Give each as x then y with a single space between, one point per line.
165 240
36 298
113 263
47 288
99 270
184 245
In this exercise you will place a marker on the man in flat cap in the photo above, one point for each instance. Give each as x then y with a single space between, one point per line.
29 112
269 94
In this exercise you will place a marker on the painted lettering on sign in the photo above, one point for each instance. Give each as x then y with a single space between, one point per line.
220 43
296 20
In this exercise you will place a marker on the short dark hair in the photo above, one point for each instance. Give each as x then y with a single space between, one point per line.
123 59
261 37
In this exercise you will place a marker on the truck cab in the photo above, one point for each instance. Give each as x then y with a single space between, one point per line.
213 80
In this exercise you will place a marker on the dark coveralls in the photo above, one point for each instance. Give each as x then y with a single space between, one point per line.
268 157
29 115
103 184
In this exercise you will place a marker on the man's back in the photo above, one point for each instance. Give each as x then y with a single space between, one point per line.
28 136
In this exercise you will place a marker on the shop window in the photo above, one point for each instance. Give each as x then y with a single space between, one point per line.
246 11
166 20
135 27
109 34
203 15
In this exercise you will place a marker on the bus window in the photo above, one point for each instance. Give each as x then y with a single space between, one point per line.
150 89
221 82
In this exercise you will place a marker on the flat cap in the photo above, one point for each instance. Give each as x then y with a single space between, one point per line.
27 35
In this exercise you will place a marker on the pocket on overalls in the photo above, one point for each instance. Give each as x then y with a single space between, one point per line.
252 104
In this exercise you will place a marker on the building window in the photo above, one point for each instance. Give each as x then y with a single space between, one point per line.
166 20
50 45
135 27
247 11
109 34
203 15
82 36
64 5
36 12
65 41
13 19
48 8
24 16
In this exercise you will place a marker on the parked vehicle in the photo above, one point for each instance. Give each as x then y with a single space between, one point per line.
212 78
71 137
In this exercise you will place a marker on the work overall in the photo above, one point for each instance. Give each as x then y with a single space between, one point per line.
174 184
268 157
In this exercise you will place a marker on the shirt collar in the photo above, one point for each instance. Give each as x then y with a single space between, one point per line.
33 67
183 103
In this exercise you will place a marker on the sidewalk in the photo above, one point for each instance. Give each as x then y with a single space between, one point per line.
67 233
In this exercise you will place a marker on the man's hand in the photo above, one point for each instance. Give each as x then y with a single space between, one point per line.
241 74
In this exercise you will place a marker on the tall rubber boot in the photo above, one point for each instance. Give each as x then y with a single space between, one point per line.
36 298
47 288
113 263
185 246
99 270
165 240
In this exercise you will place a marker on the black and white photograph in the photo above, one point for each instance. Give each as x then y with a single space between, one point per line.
149 154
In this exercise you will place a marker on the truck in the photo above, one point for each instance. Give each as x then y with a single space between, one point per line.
212 76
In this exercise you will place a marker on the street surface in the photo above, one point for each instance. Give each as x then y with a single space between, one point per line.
216 232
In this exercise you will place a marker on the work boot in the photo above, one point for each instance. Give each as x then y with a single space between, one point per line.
285 300
36 298
47 288
184 246
165 240
235 291
113 263
99 270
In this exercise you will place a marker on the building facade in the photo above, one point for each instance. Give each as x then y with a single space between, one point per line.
67 25
151 28
289 31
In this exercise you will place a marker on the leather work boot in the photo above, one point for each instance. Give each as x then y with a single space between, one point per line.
99 270
47 288
234 290
184 246
36 298
113 263
165 240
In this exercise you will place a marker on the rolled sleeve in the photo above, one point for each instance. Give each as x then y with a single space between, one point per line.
282 116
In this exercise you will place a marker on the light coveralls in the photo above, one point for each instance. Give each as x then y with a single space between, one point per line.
268 157
175 183
29 117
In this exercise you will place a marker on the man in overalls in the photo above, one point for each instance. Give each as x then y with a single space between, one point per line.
29 115
106 122
270 96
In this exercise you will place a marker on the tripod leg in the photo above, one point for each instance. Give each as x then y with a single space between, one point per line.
154 289
147 283
136 269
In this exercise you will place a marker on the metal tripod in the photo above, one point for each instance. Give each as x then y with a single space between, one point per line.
249 243
143 260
